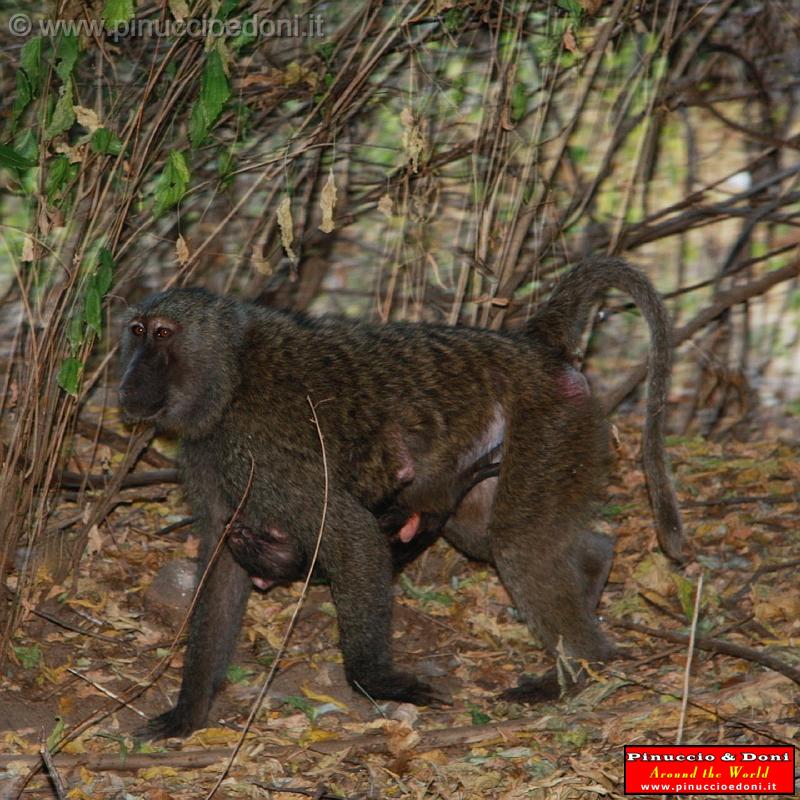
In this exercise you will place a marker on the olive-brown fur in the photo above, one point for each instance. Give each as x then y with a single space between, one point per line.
406 412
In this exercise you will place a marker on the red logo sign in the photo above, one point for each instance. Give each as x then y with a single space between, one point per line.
713 769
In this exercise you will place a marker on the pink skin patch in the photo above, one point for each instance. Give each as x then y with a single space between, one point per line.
406 473
409 529
573 384
260 583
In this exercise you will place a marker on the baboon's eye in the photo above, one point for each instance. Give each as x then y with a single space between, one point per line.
163 333
137 329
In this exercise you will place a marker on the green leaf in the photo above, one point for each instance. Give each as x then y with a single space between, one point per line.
573 6
116 12
238 674
56 734
325 50
686 593
75 333
59 174
227 8
214 93
13 159
29 657
105 271
247 35
426 595
22 96
29 76
478 717
519 101
69 375
578 153
30 61
172 183
226 163
93 310
455 19
67 56
106 142
63 115
301 704
27 145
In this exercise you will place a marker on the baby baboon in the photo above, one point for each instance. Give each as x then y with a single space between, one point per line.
415 419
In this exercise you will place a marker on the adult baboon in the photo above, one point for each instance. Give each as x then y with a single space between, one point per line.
410 414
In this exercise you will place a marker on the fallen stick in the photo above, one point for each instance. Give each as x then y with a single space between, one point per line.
74 480
767 499
370 742
133 761
717 646
440 737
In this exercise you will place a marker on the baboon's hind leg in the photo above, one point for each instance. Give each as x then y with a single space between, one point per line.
553 568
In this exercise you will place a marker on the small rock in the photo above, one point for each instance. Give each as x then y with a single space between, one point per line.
169 595
436 669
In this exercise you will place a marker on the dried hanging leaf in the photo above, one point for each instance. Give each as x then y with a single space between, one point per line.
287 227
296 73
591 7
570 43
386 206
94 543
179 9
28 250
181 250
87 118
413 139
74 154
261 265
327 202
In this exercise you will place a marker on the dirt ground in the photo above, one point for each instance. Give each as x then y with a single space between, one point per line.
454 624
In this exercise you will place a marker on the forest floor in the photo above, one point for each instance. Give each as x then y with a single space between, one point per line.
454 624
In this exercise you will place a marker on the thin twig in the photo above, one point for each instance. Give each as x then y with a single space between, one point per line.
52 772
767 499
181 523
68 626
321 793
689 655
716 646
106 692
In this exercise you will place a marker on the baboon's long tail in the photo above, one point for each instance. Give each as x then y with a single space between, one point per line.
561 321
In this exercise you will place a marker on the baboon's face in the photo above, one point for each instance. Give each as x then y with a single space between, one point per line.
179 361
150 349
